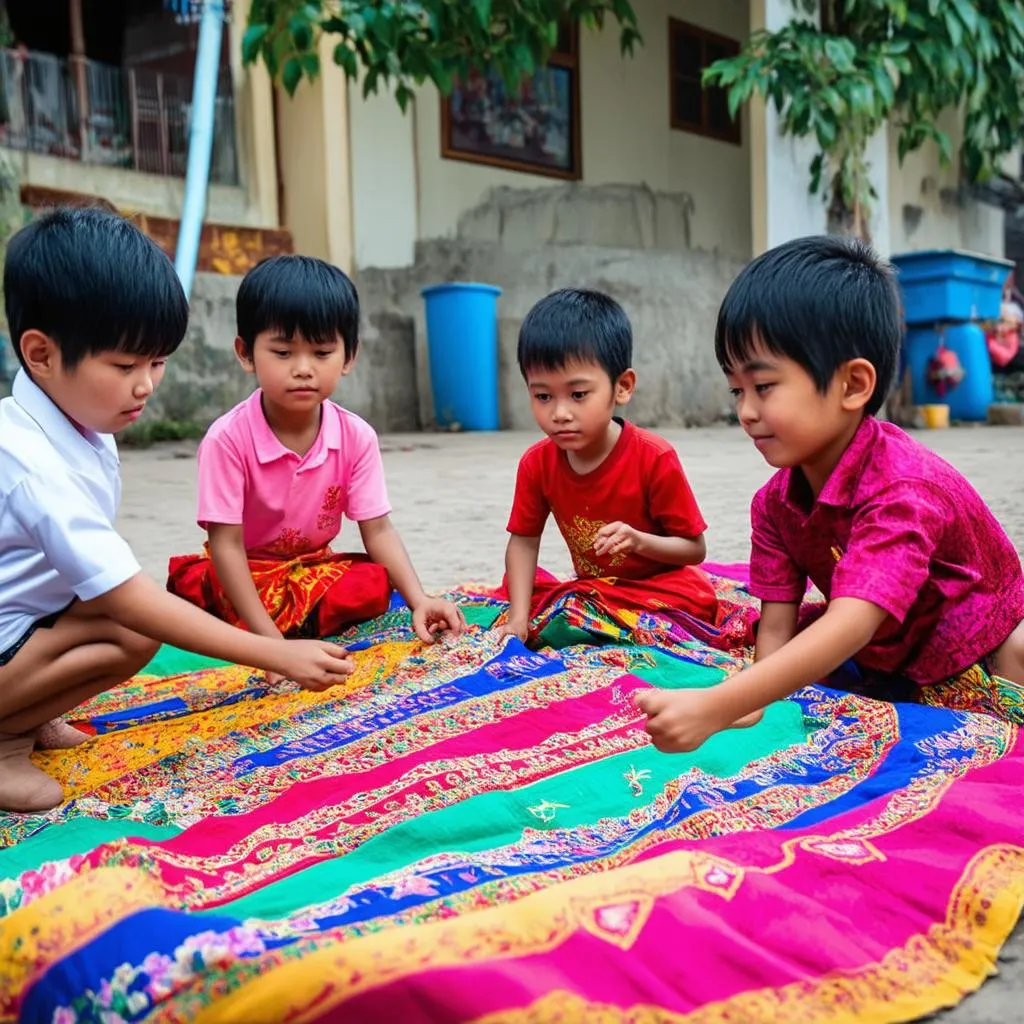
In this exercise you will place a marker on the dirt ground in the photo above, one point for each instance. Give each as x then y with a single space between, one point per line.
451 494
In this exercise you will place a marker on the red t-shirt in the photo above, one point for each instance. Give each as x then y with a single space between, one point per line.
641 483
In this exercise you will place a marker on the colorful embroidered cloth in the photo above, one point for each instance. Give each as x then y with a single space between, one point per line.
481 833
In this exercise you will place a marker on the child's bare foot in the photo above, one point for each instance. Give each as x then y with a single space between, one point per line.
748 720
23 787
58 735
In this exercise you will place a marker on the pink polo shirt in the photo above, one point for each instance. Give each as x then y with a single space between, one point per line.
287 504
899 527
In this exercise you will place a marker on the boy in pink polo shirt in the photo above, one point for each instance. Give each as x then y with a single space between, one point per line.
278 473
921 581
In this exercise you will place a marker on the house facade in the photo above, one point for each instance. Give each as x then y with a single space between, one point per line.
616 172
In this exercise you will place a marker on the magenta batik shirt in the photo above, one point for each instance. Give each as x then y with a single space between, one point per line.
289 505
899 527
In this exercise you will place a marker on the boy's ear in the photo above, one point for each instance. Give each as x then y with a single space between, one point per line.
625 386
41 354
350 362
243 356
859 380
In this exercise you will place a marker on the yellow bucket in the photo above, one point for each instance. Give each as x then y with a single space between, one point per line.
936 417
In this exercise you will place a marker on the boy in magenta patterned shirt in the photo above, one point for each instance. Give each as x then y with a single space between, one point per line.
921 582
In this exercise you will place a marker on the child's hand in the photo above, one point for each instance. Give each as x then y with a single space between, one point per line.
515 627
435 615
679 721
616 539
315 664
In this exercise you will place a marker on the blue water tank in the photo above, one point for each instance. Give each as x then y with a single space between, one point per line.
949 284
462 339
969 400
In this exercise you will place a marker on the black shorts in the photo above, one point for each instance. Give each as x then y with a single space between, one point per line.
46 622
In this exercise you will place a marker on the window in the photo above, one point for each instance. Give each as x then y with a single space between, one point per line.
703 111
536 130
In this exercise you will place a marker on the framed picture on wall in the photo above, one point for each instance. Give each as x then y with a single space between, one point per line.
536 129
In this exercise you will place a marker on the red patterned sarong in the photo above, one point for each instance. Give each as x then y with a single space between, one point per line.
312 594
686 589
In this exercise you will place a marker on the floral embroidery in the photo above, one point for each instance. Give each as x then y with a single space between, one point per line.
134 990
546 811
635 780
290 542
330 511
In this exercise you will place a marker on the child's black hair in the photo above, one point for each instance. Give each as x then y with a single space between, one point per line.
820 301
576 324
298 295
93 282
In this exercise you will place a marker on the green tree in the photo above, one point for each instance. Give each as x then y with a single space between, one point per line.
409 42
866 63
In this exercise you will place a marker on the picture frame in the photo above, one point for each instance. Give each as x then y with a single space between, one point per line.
535 132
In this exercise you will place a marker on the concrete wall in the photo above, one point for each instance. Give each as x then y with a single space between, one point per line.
928 210
134 191
672 299
204 379
404 191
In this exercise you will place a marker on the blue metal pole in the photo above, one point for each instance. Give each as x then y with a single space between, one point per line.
200 143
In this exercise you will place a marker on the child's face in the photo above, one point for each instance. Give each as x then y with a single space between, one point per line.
105 392
790 421
574 404
296 375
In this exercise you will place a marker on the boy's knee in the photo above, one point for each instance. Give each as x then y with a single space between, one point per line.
138 650
1008 660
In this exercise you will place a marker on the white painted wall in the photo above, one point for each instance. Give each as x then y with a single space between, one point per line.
626 139
383 148
924 209
791 211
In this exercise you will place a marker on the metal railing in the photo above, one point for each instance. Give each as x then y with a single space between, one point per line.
133 117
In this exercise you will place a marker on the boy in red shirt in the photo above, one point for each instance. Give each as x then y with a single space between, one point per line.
617 493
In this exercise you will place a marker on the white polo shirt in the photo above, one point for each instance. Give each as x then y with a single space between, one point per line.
59 492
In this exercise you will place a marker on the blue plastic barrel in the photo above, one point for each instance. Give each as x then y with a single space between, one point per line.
948 284
462 339
969 400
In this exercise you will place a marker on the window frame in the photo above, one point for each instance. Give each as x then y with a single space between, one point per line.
677 28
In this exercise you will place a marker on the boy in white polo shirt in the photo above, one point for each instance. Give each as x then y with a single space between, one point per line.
280 471
94 309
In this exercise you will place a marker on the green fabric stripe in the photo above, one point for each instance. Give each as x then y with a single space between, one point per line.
79 835
491 820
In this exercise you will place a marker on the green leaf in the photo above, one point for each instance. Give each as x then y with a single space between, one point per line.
301 32
833 101
483 13
403 95
370 82
841 53
883 86
953 26
292 75
945 148
968 14
251 41
817 170
345 58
